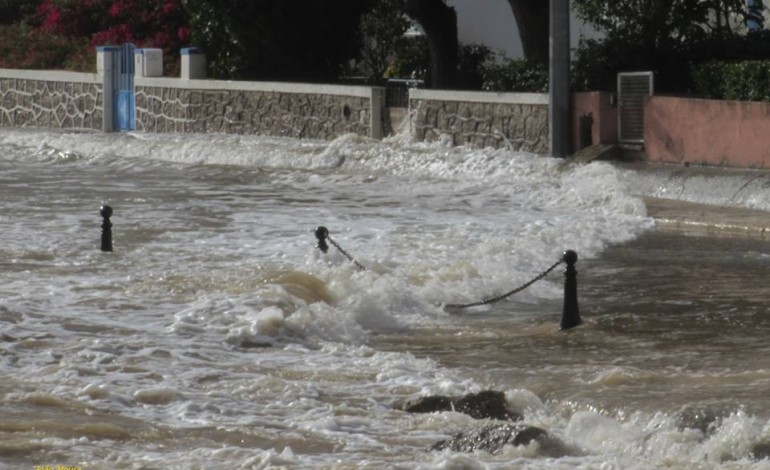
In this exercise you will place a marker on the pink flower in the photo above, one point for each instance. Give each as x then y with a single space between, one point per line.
51 16
169 7
116 9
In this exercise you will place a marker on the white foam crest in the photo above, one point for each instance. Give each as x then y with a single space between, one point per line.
716 186
498 218
734 437
645 441
352 151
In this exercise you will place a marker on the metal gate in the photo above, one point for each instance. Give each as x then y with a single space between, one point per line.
633 89
125 105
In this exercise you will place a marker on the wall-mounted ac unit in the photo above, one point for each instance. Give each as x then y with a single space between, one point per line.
633 90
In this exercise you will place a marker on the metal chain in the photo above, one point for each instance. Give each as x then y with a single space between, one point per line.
323 234
359 265
508 294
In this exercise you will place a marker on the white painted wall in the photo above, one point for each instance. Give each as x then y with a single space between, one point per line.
491 22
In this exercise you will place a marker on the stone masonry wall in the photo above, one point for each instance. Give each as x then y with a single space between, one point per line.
50 104
522 127
297 115
74 101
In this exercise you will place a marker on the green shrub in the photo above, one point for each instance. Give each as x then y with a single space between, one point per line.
707 80
706 66
747 80
25 47
515 75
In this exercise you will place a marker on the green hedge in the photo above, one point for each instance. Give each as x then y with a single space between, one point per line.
515 75
743 81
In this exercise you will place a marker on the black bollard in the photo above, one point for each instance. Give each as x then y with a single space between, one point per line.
570 316
106 212
321 233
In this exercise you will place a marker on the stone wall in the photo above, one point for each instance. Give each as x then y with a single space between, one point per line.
297 115
518 121
51 100
68 100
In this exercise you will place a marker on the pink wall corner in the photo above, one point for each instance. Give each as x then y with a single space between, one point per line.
603 112
708 132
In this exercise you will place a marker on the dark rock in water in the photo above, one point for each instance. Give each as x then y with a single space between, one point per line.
429 404
246 344
705 419
7 338
761 450
487 404
483 405
491 438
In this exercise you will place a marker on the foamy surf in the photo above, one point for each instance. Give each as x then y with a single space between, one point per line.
217 334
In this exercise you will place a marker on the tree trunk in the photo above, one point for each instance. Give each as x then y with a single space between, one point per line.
439 22
532 17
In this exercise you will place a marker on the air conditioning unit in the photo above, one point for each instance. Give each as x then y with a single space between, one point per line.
633 90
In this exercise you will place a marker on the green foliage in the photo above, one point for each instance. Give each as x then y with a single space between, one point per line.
479 68
515 75
664 37
471 63
382 30
652 20
308 40
734 47
411 59
14 11
62 34
26 47
597 63
676 66
744 81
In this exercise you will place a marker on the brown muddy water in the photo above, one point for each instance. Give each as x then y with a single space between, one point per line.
217 335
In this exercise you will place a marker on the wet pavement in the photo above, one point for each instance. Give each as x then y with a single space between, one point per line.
704 200
707 219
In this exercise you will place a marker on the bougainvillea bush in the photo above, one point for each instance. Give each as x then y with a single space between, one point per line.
64 33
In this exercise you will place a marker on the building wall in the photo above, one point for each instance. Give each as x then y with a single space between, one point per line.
710 132
603 115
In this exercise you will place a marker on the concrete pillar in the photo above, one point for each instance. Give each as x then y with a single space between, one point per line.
193 64
559 117
148 62
107 58
377 108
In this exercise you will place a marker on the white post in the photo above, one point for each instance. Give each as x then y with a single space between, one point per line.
148 62
193 64
106 67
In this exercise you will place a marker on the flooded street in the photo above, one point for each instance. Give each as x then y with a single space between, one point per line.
217 335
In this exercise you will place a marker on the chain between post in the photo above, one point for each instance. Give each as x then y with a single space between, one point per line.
507 294
322 234
359 265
